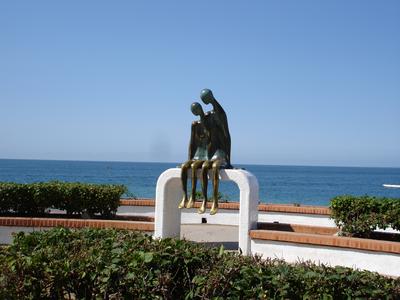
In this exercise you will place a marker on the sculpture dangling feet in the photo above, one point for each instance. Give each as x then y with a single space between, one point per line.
214 208
191 201
182 204
202 208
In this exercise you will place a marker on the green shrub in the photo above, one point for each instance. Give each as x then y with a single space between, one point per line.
118 264
8 195
74 198
360 216
221 197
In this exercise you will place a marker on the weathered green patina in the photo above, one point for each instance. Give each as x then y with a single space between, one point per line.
209 149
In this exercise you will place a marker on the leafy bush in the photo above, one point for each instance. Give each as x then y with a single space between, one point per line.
360 216
74 198
118 264
221 197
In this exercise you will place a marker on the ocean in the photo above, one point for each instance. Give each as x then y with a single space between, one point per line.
278 184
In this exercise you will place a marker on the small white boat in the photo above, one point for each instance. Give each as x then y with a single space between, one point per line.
392 186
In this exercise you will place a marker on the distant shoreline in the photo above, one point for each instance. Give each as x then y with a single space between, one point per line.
178 163
305 185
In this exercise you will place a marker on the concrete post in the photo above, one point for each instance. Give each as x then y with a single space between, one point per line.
169 194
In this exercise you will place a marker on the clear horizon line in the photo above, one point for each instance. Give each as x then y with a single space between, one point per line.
172 162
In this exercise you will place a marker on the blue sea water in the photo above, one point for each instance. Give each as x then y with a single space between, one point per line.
278 184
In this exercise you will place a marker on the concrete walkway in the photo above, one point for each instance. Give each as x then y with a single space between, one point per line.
212 235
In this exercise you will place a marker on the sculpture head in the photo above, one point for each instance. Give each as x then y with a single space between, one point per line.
207 96
196 109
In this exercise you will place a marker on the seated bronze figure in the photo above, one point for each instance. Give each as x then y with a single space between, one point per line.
209 149
198 154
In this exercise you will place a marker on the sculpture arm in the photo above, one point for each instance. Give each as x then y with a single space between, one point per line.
222 122
221 119
192 143
224 126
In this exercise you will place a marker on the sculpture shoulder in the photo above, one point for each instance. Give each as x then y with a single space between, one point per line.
210 113
218 108
195 123
198 127
213 118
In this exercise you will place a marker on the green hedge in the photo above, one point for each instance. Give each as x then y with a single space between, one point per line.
74 198
360 216
118 264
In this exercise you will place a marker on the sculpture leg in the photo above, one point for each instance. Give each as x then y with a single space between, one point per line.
195 165
184 168
204 185
215 166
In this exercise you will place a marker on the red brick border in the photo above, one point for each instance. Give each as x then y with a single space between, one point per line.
297 228
301 234
137 202
75 223
284 208
326 240
290 208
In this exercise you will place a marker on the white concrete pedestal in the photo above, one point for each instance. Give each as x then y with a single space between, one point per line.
169 194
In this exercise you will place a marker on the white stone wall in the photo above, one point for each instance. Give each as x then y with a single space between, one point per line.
384 263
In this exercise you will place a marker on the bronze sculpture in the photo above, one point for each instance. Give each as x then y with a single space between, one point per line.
221 122
198 154
216 139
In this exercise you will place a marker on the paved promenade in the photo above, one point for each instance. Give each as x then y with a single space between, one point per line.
212 235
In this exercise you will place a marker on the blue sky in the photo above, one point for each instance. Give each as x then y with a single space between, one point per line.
302 82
